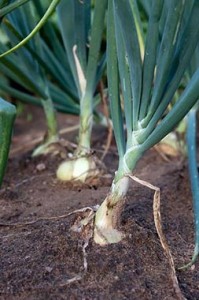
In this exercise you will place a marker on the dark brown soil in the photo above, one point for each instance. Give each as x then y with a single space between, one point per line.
37 260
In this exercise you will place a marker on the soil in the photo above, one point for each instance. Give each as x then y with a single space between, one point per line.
41 260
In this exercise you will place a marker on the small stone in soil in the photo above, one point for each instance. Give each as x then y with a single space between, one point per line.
41 167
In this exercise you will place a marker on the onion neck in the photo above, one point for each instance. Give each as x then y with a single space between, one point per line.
86 121
52 135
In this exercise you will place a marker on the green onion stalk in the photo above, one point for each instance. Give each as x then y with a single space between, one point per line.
52 135
146 94
194 176
7 117
191 138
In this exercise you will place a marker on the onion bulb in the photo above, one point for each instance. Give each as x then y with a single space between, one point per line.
77 169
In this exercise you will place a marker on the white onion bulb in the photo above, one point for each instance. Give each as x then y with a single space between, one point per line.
78 169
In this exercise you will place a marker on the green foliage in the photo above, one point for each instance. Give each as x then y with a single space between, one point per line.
6 6
148 86
36 28
57 65
52 78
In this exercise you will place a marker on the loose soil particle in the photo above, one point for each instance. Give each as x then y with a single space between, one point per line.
38 259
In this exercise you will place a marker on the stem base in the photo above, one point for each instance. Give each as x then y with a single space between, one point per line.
106 221
46 147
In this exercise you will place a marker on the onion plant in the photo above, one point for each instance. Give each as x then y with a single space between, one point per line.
147 88
7 116
84 59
